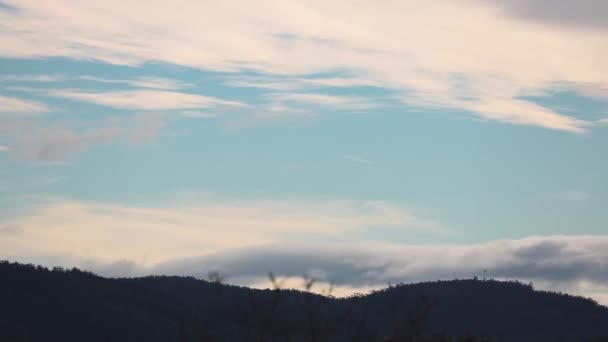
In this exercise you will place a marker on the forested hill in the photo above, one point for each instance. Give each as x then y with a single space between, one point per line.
37 304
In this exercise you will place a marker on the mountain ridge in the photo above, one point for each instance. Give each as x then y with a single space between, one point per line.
74 305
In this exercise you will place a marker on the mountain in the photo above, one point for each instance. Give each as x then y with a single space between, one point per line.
38 304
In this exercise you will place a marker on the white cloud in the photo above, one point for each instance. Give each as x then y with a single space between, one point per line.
324 100
143 82
512 111
110 232
15 105
357 159
281 110
143 99
285 84
139 82
570 196
4 148
31 78
471 55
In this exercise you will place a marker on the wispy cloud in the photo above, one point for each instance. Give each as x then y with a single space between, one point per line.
570 196
54 143
144 99
503 52
31 78
513 111
160 83
195 228
4 148
143 82
324 100
18 106
357 159
286 84
57 142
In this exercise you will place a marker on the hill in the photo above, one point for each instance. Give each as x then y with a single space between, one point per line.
37 304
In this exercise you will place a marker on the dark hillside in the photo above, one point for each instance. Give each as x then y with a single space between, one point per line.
37 304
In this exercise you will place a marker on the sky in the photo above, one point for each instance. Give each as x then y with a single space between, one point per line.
357 142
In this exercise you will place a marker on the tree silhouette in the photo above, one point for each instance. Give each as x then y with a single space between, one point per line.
38 304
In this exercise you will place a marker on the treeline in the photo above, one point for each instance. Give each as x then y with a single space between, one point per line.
40 304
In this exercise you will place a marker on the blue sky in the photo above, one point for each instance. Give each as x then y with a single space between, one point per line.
220 131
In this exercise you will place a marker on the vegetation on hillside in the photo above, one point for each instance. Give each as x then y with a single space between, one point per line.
39 304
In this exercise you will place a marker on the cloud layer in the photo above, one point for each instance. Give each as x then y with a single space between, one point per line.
573 264
143 99
109 232
245 240
567 263
549 259
481 57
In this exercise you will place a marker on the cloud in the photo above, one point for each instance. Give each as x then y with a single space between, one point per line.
324 100
14 105
318 286
566 263
111 232
570 196
589 14
357 159
481 57
273 110
570 264
143 82
31 78
143 99
513 111
115 269
56 142
594 92
285 84
10 230
4 148
244 240
139 82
